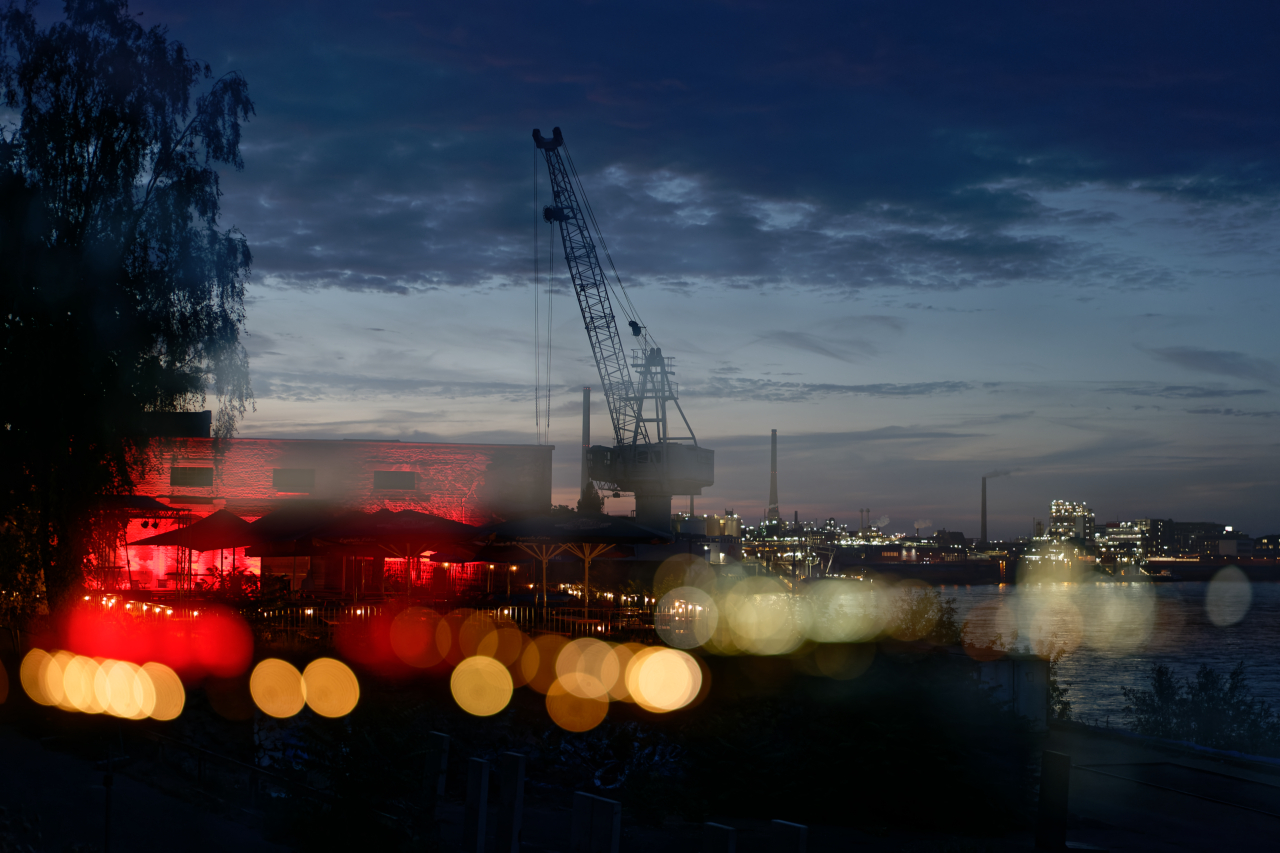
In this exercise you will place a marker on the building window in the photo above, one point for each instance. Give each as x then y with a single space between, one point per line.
293 479
191 477
402 480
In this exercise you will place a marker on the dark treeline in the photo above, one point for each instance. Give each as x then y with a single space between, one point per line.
121 295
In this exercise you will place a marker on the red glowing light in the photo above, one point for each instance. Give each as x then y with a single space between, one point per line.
368 642
217 642
222 643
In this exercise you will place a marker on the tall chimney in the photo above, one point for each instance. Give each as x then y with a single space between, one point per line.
773 480
983 540
586 439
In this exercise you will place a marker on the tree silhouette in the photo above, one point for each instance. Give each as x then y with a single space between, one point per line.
121 296
591 503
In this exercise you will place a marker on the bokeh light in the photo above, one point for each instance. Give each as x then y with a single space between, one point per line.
331 688
1228 597
764 617
538 662
277 688
449 636
624 654
663 680
414 637
504 643
31 673
128 690
587 667
1055 626
684 570
473 630
842 611
481 686
222 642
53 679
575 713
989 631
366 640
78 685
123 689
686 617
1122 618
912 614
170 697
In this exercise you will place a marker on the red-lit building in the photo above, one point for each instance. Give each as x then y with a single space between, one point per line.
250 477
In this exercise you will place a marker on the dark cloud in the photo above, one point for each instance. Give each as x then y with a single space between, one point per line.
843 350
323 385
795 392
1180 392
823 441
1236 365
1235 413
840 146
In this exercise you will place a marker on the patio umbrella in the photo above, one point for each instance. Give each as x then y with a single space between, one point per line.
294 521
588 537
404 534
214 532
287 531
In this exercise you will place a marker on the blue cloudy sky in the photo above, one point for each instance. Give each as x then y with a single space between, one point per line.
925 241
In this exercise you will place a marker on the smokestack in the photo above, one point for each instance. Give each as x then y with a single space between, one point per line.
983 540
773 480
586 439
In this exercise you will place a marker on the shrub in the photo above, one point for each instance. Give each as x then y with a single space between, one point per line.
1210 709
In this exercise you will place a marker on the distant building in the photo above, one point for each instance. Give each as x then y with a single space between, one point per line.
1121 540
1071 519
1237 546
193 476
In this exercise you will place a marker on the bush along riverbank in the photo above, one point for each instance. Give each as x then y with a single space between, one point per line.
1209 709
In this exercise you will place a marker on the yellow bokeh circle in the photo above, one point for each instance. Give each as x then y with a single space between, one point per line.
575 713
587 667
277 688
170 697
332 689
481 686
662 680
32 673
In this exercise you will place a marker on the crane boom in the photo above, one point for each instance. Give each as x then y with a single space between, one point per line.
649 463
592 290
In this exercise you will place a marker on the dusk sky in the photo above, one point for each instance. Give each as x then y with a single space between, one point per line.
924 241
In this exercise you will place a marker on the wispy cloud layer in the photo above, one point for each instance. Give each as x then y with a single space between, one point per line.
1236 365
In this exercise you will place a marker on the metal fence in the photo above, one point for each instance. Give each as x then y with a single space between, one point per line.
316 621
603 622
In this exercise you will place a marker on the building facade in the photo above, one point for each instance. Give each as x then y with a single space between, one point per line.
1071 519
250 477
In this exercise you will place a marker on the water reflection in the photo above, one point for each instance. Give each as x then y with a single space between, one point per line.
1112 632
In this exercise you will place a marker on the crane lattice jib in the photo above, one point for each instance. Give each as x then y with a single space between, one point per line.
591 288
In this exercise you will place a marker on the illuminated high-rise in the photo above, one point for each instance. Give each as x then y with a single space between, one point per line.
1070 519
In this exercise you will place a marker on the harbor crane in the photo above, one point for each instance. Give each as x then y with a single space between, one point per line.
645 459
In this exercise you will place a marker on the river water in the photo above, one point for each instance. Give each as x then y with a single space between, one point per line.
1111 633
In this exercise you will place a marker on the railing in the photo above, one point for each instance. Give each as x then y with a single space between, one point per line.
311 621
573 621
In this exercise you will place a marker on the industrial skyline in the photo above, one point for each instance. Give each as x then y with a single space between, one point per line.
919 243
